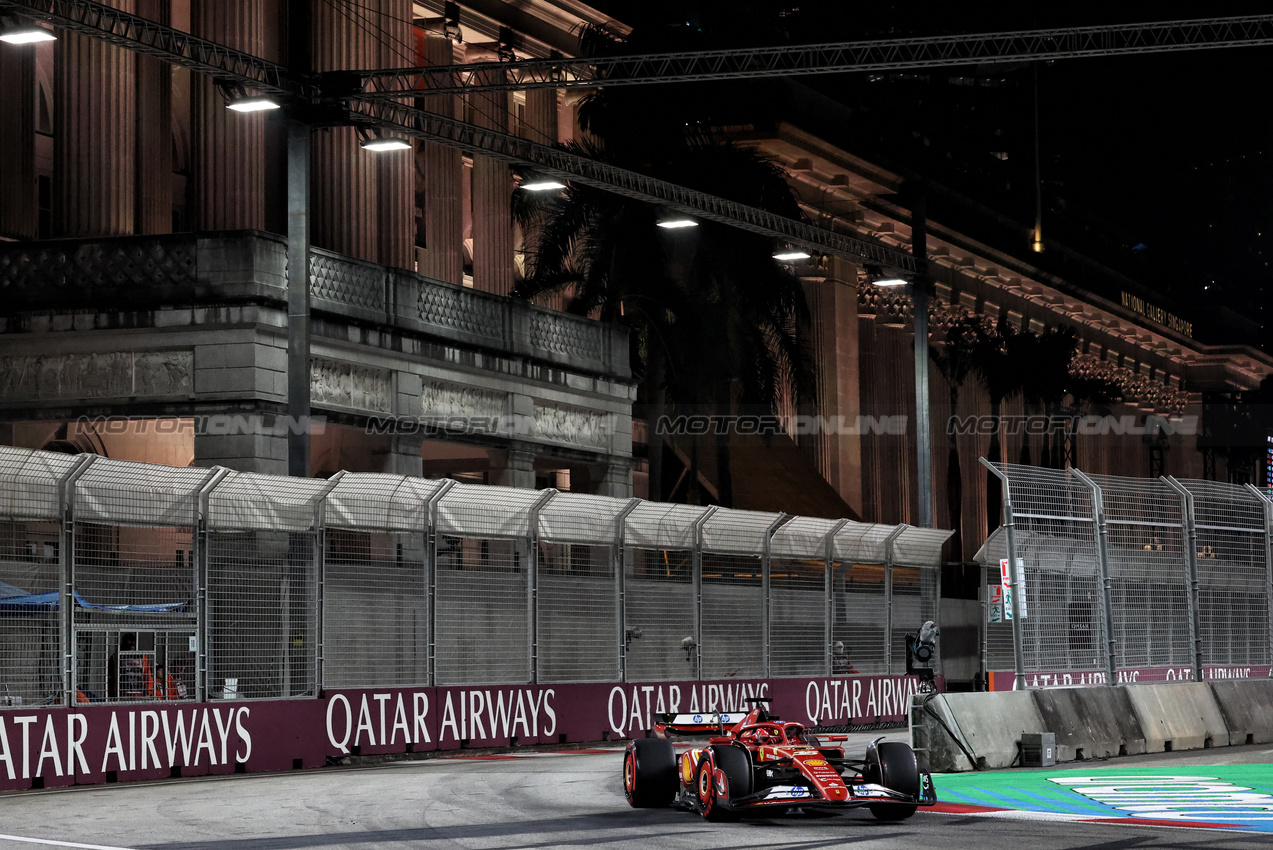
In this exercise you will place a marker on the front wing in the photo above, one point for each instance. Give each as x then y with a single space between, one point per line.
860 794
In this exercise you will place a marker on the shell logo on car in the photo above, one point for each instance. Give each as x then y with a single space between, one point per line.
688 760
815 762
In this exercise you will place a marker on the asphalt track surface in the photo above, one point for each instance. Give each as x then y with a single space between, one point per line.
566 799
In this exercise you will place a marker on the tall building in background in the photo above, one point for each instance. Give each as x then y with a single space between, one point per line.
145 316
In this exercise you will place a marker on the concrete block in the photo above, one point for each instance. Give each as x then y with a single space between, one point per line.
989 725
240 355
173 318
209 357
1091 722
1244 704
272 358
1178 716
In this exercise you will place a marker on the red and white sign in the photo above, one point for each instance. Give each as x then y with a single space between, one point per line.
1005 577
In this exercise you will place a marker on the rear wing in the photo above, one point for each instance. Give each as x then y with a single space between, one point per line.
707 723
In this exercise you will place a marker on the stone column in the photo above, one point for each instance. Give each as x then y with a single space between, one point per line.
518 469
95 118
440 172
264 453
154 131
492 190
18 219
540 122
395 170
834 341
616 478
229 147
345 202
402 455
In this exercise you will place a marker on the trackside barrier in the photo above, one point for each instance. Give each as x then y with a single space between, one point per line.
183 604
1128 580
968 731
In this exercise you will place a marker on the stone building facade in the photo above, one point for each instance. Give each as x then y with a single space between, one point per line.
145 288
145 314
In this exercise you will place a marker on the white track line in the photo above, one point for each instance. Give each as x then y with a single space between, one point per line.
60 843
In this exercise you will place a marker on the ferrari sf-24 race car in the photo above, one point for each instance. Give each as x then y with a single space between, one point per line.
754 763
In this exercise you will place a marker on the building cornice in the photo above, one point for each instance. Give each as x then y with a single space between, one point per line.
851 195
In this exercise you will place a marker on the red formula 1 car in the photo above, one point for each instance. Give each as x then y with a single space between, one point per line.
760 764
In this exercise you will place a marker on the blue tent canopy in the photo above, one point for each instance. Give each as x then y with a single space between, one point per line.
15 600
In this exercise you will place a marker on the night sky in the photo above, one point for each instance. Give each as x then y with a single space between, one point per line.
1159 166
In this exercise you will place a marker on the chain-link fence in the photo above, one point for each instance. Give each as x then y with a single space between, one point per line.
1129 579
124 581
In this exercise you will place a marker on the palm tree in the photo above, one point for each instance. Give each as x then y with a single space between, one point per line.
713 315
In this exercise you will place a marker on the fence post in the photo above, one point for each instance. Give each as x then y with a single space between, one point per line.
1191 564
66 573
1018 647
983 629
620 584
697 566
1102 548
1268 561
828 580
888 595
532 581
431 577
200 557
320 575
766 580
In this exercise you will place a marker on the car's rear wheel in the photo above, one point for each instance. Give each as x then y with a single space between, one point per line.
734 767
649 773
893 765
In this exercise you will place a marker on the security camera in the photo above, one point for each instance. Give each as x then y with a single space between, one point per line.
688 645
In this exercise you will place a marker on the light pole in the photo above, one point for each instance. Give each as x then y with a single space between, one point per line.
920 292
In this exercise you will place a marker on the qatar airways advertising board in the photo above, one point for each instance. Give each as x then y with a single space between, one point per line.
52 747
1006 680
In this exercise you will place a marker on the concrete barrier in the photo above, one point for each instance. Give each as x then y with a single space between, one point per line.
1178 716
989 725
1244 704
1090 722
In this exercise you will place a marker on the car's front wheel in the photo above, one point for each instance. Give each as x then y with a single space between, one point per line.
893 765
649 773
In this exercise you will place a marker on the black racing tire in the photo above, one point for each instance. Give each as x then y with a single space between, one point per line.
649 773
893 765
736 766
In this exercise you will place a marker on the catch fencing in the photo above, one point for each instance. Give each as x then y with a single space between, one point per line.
127 582
1131 579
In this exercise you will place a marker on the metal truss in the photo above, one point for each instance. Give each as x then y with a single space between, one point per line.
552 161
374 102
859 56
133 33
122 29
